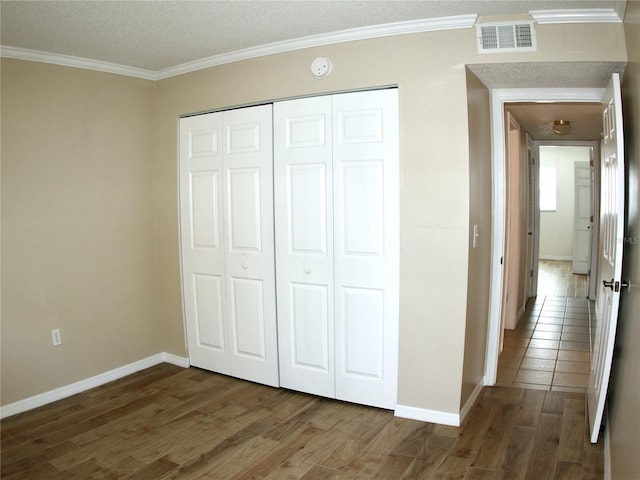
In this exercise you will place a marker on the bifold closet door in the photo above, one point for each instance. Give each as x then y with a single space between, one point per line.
337 224
304 244
366 246
226 210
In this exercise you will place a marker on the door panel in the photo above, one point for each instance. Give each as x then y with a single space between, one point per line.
208 311
244 213
310 320
366 233
364 329
201 251
247 317
249 253
304 246
604 322
307 201
363 194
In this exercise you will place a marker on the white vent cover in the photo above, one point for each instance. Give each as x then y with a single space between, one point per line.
506 37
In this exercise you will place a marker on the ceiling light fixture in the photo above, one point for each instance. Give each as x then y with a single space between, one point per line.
561 127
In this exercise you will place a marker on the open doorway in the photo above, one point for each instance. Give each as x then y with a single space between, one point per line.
557 102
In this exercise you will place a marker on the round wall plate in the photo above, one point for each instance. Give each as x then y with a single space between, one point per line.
321 67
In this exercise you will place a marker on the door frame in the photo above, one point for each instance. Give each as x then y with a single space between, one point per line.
498 142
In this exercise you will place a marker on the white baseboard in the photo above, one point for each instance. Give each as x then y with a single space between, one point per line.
426 415
89 383
563 258
471 401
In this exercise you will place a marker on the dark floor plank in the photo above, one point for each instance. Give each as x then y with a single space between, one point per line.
545 448
572 436
515 458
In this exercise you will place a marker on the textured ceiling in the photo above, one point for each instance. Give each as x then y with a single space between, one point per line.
537 119
156 35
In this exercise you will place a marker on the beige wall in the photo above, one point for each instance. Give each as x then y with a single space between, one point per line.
624 402
77 225
434 233
479 274
116 268
556 228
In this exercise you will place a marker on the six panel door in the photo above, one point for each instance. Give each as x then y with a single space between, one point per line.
366 233
229 277
304 244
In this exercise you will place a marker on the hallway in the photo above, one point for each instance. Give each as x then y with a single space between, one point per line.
549 349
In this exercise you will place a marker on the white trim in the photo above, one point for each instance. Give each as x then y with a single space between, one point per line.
350 35
78 62
471 401
556 257
576 15
426 415
89 383
175 360
498 98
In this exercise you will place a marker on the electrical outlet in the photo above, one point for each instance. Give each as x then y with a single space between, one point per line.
56 338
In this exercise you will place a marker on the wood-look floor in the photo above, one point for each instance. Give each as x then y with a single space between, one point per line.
172 423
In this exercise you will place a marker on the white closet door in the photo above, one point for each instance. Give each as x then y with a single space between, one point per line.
366 246
304 244
249 259
203 272
226 203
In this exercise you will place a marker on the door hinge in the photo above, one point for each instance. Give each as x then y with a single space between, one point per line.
531 273
501 260
591 218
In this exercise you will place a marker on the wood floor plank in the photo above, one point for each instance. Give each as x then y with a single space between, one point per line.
554 402
431 456
568 471
468 441
573 431
475 473
530 408
515 458
545 448
452 468
493 442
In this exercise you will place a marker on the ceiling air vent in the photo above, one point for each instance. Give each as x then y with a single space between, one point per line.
506 37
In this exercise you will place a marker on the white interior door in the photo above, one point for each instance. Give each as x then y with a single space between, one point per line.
603 326
304 244
337 224
226 210
202 252
582 218
249 231
366 246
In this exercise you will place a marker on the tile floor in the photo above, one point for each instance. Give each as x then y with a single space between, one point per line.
549 349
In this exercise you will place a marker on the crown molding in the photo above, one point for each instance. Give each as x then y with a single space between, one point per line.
362 33
578 15
78 62
354 34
